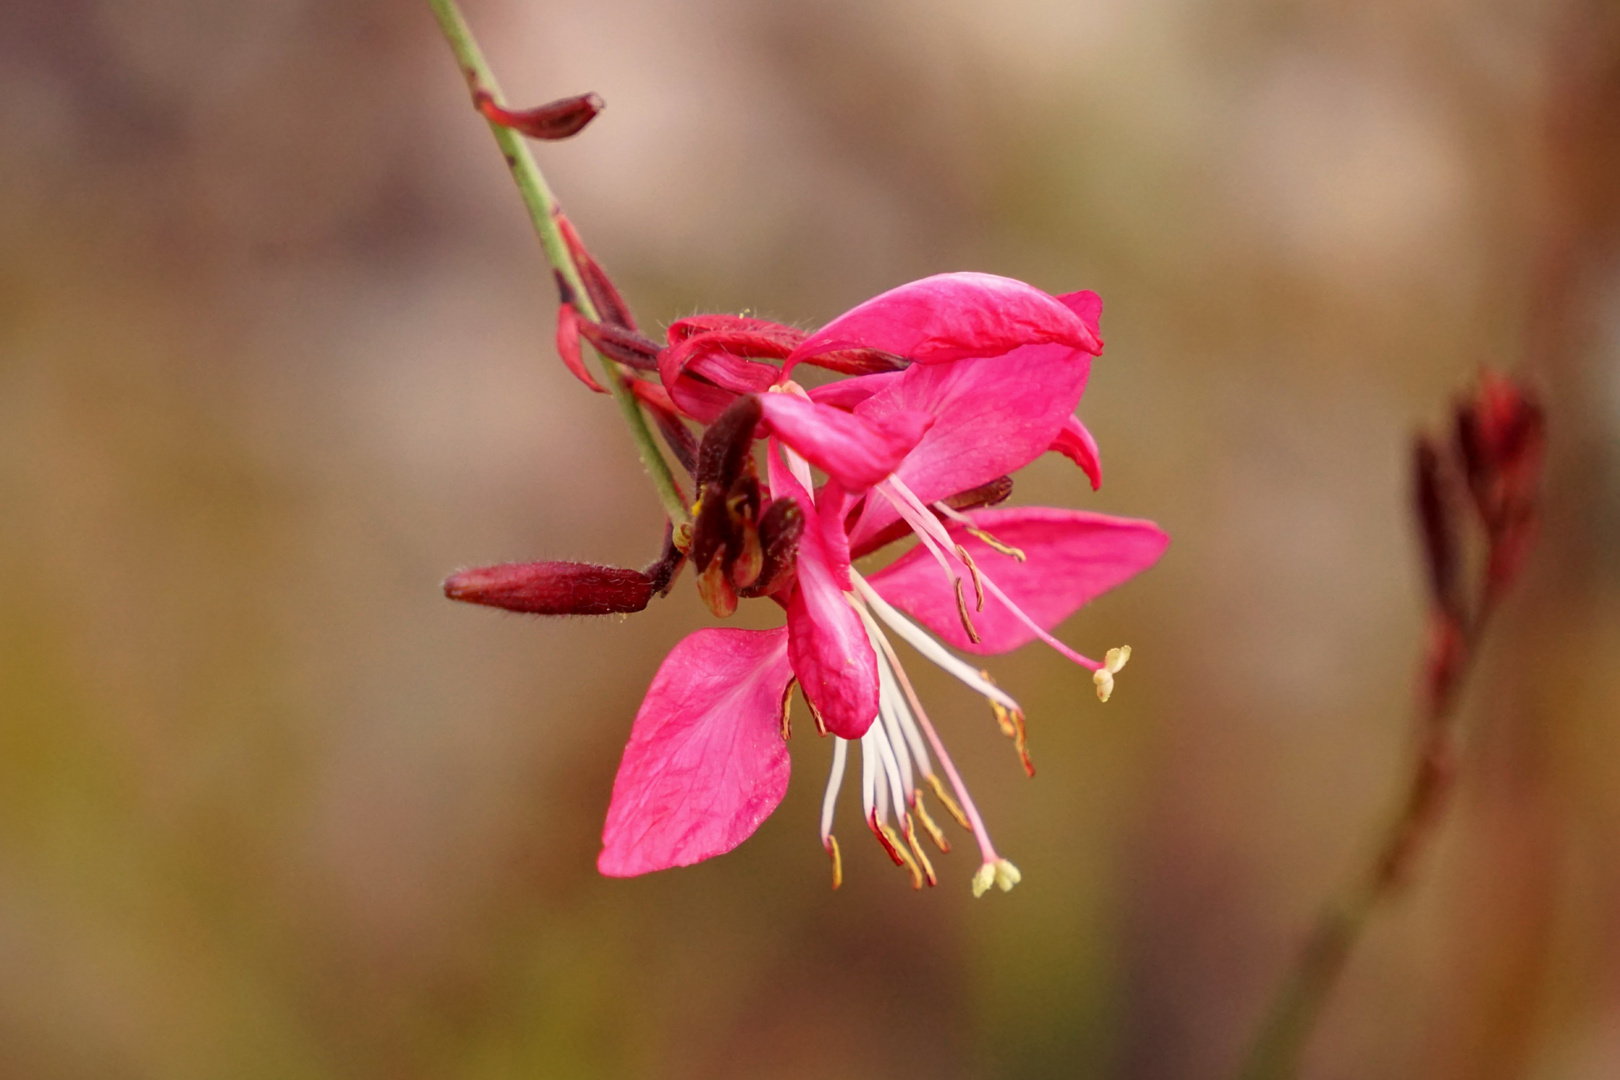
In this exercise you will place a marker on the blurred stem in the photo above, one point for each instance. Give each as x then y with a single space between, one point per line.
1275 1052
542 208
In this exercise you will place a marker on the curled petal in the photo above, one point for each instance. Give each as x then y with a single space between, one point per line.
1071 557
827 641
568 346
1075 443
1088 306
706 762
849 449
952 317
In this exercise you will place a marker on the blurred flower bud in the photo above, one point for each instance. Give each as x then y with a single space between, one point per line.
554 120
553 588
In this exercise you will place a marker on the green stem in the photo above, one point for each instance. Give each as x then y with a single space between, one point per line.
542 208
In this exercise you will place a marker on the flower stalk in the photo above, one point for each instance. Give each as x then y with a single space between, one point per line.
541 205
1481 488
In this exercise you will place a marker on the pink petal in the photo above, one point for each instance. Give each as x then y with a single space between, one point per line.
1087 305
1075 443
706 762
827 641
847 393
951 317
992 416
1071 557
849 449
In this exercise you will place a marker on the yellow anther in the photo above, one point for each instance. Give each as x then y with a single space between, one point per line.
983 878
928 825
896 848
920 855
997 545
946 801
978 582
787 710
837 860
962 613
815 714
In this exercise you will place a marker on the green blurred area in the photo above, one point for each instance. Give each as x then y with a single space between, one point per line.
275 356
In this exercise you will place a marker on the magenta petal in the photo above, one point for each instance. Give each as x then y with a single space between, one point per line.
706 762
992 416
827 641
1071 557
951 317
1087 305
848 393
852 451
1075 443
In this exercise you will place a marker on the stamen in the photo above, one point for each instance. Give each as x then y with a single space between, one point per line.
978 582
921 812
787 710
962 611
949 803
896 848
969 817
835 783
1011 723
1040 632
886 837
837 860
919 854
973 530
815 714
920 640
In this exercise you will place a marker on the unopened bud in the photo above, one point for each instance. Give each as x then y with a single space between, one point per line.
728 441
610 306
1436 510
554 120
553 588
779 530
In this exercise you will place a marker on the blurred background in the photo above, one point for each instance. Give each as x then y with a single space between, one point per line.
275 357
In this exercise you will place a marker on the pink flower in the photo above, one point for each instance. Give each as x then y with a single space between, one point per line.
967 378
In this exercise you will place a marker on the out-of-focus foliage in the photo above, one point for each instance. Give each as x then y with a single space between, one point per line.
275 357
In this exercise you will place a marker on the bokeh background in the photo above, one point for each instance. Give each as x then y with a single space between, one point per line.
275 357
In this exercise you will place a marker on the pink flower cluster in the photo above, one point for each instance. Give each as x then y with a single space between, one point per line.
950 385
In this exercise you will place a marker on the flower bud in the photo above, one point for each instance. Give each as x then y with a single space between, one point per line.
554 120
553 588
779 530
1437 517
728 441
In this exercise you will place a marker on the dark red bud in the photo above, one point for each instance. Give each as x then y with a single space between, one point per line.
779 532
711 530
1437 519
553 588
554 120
677 435
610 306
625 346
858 361
728 441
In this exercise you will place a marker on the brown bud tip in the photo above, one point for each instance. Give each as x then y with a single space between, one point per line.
1437 519
554 120
726 444
553 588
